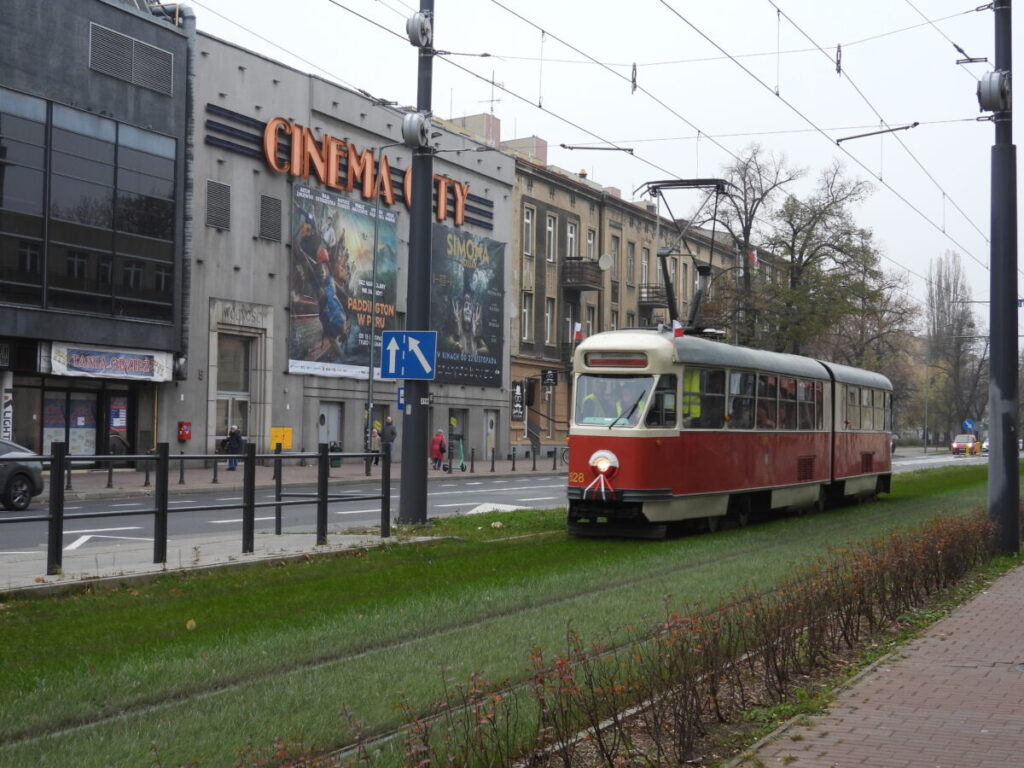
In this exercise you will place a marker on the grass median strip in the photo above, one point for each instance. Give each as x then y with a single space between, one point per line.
279 651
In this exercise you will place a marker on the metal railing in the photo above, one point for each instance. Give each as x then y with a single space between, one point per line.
60 463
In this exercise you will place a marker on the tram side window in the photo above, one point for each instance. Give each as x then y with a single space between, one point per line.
819 417
787 403
741 400
663 408
767 401
805 404
703 398
879 410
853 407
865 408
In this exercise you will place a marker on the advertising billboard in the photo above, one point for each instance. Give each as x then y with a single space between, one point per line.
467 296
331 284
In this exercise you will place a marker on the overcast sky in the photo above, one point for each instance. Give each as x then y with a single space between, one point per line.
572 84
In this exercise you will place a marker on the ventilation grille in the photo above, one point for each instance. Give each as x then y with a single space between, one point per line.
804 468
131 60
270 218
867 462
218 205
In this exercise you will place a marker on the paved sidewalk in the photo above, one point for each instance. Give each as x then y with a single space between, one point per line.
953 698
133 556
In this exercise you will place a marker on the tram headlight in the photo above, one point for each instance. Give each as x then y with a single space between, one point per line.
604 463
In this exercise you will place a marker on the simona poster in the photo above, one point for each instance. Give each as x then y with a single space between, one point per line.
331 284
467 291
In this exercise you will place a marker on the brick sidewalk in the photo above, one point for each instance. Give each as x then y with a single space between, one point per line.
953 698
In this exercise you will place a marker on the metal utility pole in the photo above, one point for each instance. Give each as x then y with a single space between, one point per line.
412 507
1003 463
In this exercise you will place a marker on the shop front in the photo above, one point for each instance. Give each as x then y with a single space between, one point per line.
98 401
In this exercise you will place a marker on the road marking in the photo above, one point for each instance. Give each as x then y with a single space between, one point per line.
439 506
357 511
478 482
185 501
82 539
104 530
479 509
540 498
133 504
232 498
239 520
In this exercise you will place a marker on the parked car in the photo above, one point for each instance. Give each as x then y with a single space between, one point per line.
20 481
984 445
965 444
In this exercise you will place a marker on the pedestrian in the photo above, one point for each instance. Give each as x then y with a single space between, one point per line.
375 445
438 448
388 434
233 447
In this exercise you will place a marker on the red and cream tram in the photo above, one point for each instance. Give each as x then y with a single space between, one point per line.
669 428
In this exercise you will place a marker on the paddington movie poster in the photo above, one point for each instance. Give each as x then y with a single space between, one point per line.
467 291
331 285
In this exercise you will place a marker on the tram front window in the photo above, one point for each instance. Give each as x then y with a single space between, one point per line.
618 401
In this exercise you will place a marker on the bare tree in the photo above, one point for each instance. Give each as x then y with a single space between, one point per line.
756 178
956 352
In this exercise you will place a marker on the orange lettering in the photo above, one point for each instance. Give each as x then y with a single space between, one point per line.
275 126
313 155
461 193
335 148
407 189
386 190
360 166
442 197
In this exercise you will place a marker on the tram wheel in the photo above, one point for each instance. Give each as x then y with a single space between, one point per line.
713 524
739 511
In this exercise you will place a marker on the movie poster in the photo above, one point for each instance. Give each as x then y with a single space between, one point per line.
331 284
467 294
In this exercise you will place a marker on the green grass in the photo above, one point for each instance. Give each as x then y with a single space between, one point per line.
282 650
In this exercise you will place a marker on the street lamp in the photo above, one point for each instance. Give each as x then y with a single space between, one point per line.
373 298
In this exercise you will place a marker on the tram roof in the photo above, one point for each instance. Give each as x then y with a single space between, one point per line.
700 351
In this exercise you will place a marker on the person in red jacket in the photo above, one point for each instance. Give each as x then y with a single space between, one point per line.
438 448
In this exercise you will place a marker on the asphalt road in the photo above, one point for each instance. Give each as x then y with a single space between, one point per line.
456 495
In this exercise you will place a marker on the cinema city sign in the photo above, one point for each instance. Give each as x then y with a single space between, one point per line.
323 159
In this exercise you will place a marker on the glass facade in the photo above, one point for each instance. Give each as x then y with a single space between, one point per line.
87 212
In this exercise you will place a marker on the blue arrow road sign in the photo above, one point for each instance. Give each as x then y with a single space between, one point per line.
408 354
968 425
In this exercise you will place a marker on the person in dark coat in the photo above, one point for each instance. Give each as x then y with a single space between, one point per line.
438 448
233 447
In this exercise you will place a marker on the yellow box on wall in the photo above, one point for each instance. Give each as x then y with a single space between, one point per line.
282 435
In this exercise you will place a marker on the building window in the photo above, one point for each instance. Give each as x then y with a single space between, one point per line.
630 263
615 319
549 321
645 266
551 237
591 243
615 257
28 258
630 320
131 274
591 315
684 291
526 322
571 249
527 231
75 264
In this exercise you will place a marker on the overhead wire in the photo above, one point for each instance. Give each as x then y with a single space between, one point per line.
956 47
810 122
845 73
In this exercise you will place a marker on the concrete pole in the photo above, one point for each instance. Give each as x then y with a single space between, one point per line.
1003 477
412 505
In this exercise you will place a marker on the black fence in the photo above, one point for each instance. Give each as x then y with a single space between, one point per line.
60 464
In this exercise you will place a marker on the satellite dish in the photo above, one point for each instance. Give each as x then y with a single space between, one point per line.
604 262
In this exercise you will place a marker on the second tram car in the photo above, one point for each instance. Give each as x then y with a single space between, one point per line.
668 428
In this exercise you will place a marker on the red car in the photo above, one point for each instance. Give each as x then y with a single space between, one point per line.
965 444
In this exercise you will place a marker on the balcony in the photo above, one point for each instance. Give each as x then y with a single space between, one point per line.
652 295
581 274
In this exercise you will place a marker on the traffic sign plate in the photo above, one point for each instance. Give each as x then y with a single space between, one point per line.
408 354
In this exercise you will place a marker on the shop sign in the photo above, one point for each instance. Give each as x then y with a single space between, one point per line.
306 156
93 362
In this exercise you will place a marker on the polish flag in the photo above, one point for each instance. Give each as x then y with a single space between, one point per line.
753 259
677 328
577 332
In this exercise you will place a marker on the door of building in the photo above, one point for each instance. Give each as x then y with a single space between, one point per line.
330 425
490 431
